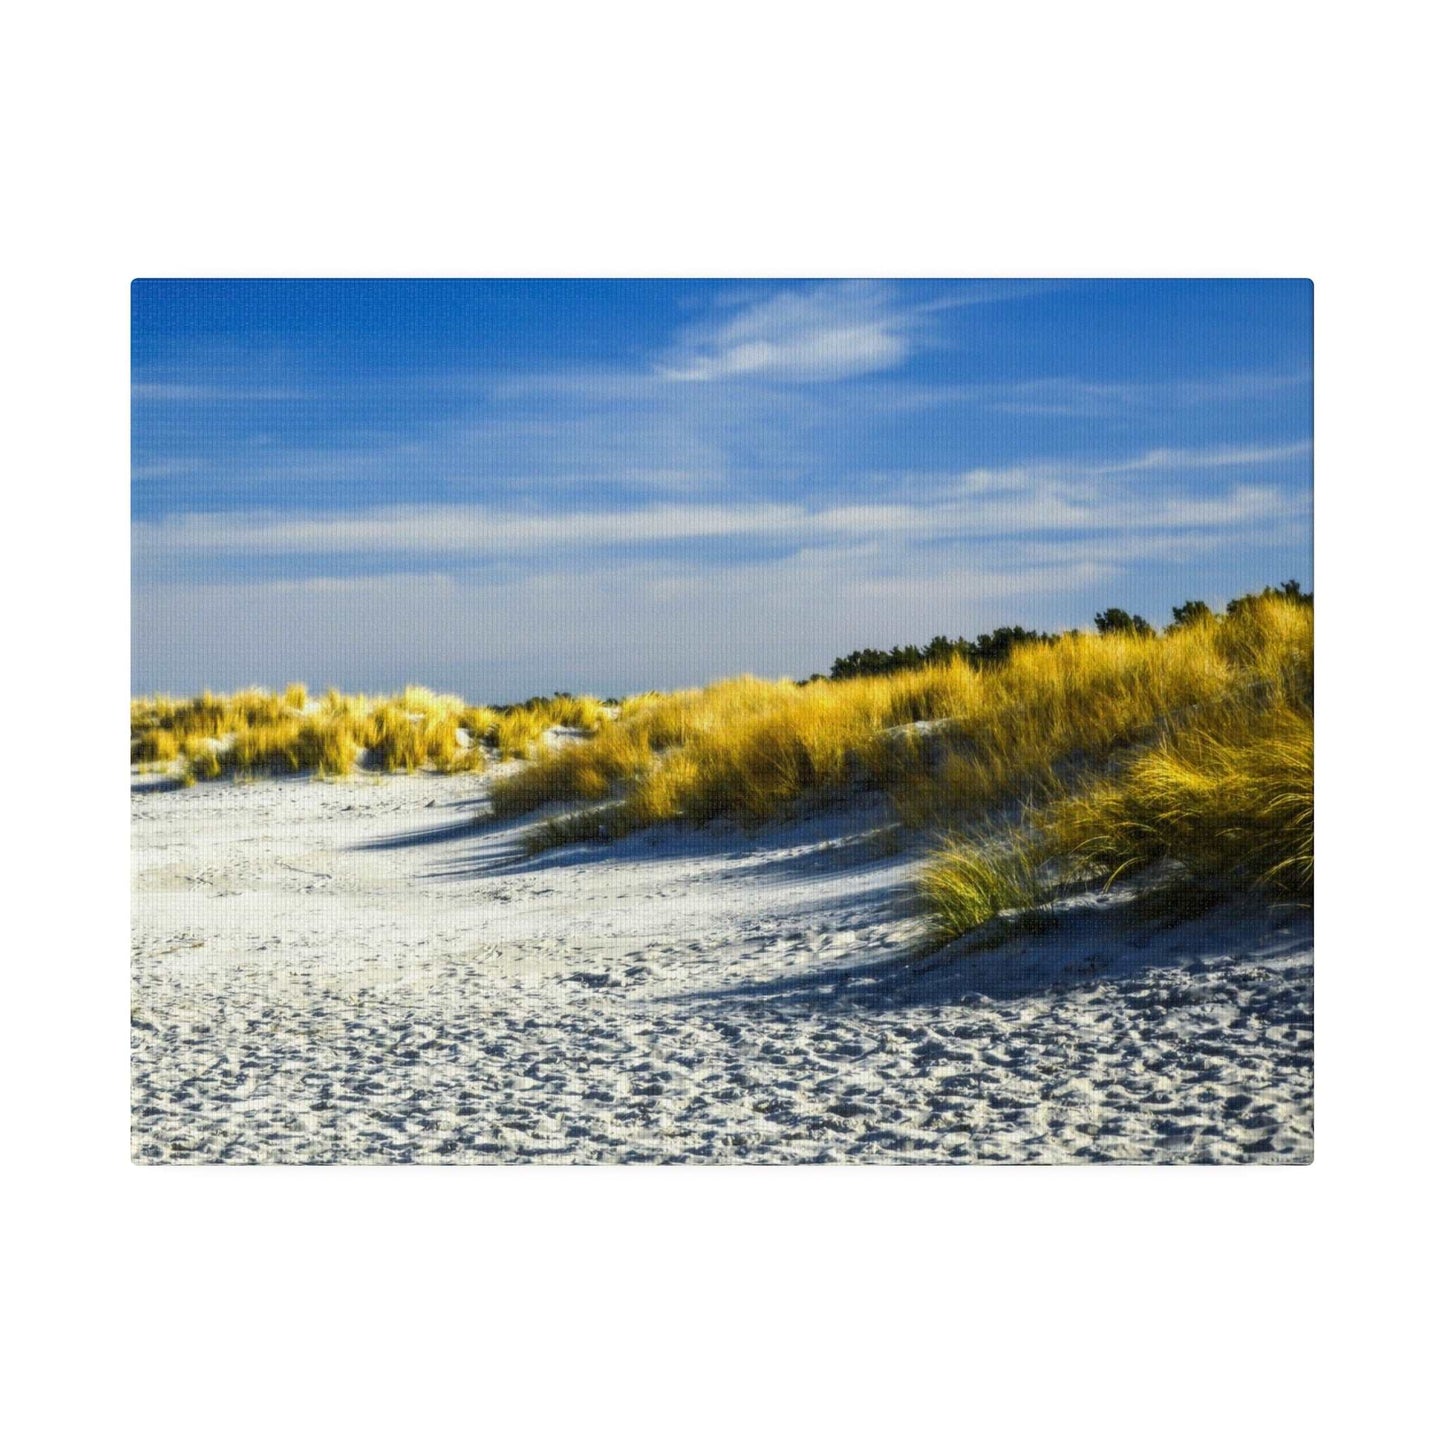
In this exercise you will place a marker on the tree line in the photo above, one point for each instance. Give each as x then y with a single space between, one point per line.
991 648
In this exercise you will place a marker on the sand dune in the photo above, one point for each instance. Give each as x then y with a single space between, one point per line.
354 971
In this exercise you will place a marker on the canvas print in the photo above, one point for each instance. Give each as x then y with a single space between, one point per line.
722 721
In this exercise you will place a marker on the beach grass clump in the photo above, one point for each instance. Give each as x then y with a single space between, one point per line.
414 730
751 748
584 714
746 747
254 731
967 883
1054 708
1229 802
480 725
291 745
586 772
1107 752
155 745
517 731
211 716
1055 715
1218 782
754 767
1231 799
203 761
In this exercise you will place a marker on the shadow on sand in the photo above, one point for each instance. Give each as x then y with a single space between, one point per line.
812 846
1079 942
159 784
1089 940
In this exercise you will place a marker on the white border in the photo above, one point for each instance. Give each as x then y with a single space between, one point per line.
1124 140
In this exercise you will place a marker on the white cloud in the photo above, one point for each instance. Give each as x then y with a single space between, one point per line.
822 333
1187 458
473 533
1070 396
602 624
1037 476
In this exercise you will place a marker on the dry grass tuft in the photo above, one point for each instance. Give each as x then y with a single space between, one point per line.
1020 733
255 731
966 884
1113 751
1232 800
1221 784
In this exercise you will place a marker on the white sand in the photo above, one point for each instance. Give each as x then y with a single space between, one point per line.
354 972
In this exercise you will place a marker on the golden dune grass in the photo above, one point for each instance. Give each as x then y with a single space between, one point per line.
744 748
750 748
1232 799
966 883
1112 751
1222 785
255 731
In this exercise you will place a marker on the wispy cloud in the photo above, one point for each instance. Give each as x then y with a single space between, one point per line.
821 333
1033 476
1045 499
1179 459
172 393
1074 396
574 622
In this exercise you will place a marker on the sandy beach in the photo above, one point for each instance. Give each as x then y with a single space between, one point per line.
359 971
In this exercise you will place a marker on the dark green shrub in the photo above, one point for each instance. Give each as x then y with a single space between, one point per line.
1115 619
1188 614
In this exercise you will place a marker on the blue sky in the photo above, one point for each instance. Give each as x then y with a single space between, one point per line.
509 487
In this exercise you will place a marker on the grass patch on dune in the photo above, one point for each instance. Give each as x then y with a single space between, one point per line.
290 745
1228 801
1103 754
517 730
747 748
1222 788
587 772
255 732
1081 757
967 883
1232 800
415 731
1023 731
1052 709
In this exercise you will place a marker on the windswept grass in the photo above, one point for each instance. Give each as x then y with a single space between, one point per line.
1023 732
517 730
254 732
414 730
746 748
1232 800
1053 710
1090 757
1222 787
1096 756
154 745
291 745
966 883
586 772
